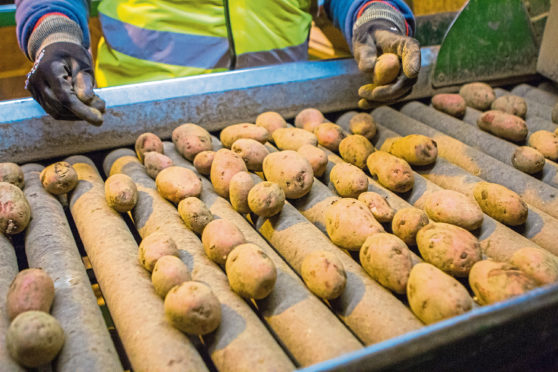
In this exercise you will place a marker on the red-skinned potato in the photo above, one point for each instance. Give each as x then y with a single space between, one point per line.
316 157
190 139
309 119
225 165
147 142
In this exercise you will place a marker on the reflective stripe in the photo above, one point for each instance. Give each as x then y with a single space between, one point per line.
205 52
274 56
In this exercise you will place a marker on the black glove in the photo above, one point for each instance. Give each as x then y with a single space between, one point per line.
61 80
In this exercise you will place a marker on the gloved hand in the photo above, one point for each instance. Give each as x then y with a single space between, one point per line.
61 80
375 37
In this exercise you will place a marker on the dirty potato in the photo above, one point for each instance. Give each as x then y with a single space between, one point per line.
190 139
169 271
323 274
203 161
239 187
232 133
503 125
349 181
293 138
225 165
501 203
155 246
147 142
31 289
271 121
329 135
121 193
528 159
59 178
407 222
546 142
453 207
511 104
219 238
155 162
266 199
386 69
316 157
251 151
392 172
11 173
195 214
177 183
451 104
378 205
363 124
291 171
16 213
539 264
309 119
355 149
477 95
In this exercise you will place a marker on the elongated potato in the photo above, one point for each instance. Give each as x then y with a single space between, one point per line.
177 183
230 134
407 222
31 289
355 149
147 142
434 295
251 273
415 149
293 138
121 193
387 260
193 308
309 119
271 121
155 162
363 124
497 281
503 125
316 157
349 181
291 171
453 207
451 104
448 247
15 213
539 264
251 151
477 95
219 238
191 139
169 271
11 173
546 142
225 165
386 69
203 161
329 135
153 247
378 205
510 104
195 214
59 178
239 187
501 203
349 222
391 171
528 159
266 199
323 274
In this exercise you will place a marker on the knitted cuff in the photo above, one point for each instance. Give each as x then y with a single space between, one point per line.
53 29
379 10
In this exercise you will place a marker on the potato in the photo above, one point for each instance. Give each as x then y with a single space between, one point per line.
503 125
309 119
193 308
15 213
415 149
434 295
349 222
266 199
323 274
378 205
528 160
219 238
510 104
177 183
392 172
191 139
271 121
349 181
293 138
155 162
555 114
291 171
225 165
147 142
203 161
355 149
251 151
169 271
59 178
453 207
250 271
11 173
448 247
407 222
329 135
363 124
539 264
497 281
34 338
387 260
477 95
546 142
153 247
195 214
239 187
386 69
316 157
501 203
230 134
121 193
451 104
31 289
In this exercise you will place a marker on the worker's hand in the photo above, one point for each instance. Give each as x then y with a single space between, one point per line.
374 38
61 80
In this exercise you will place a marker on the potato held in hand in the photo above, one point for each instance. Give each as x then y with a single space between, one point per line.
378 205
225 165
292 172
121 193
407 222
386 69
355 149
323 274
31 289
501 203
528 160
232 133
195 214
415 149
455 208
147 142
434 295
59 178
477 95
539 264
503 125
349 181
177 183
392 172
11 173
16 214
266 199
451 104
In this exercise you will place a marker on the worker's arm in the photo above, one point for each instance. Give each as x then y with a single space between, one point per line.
375 27
54 35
